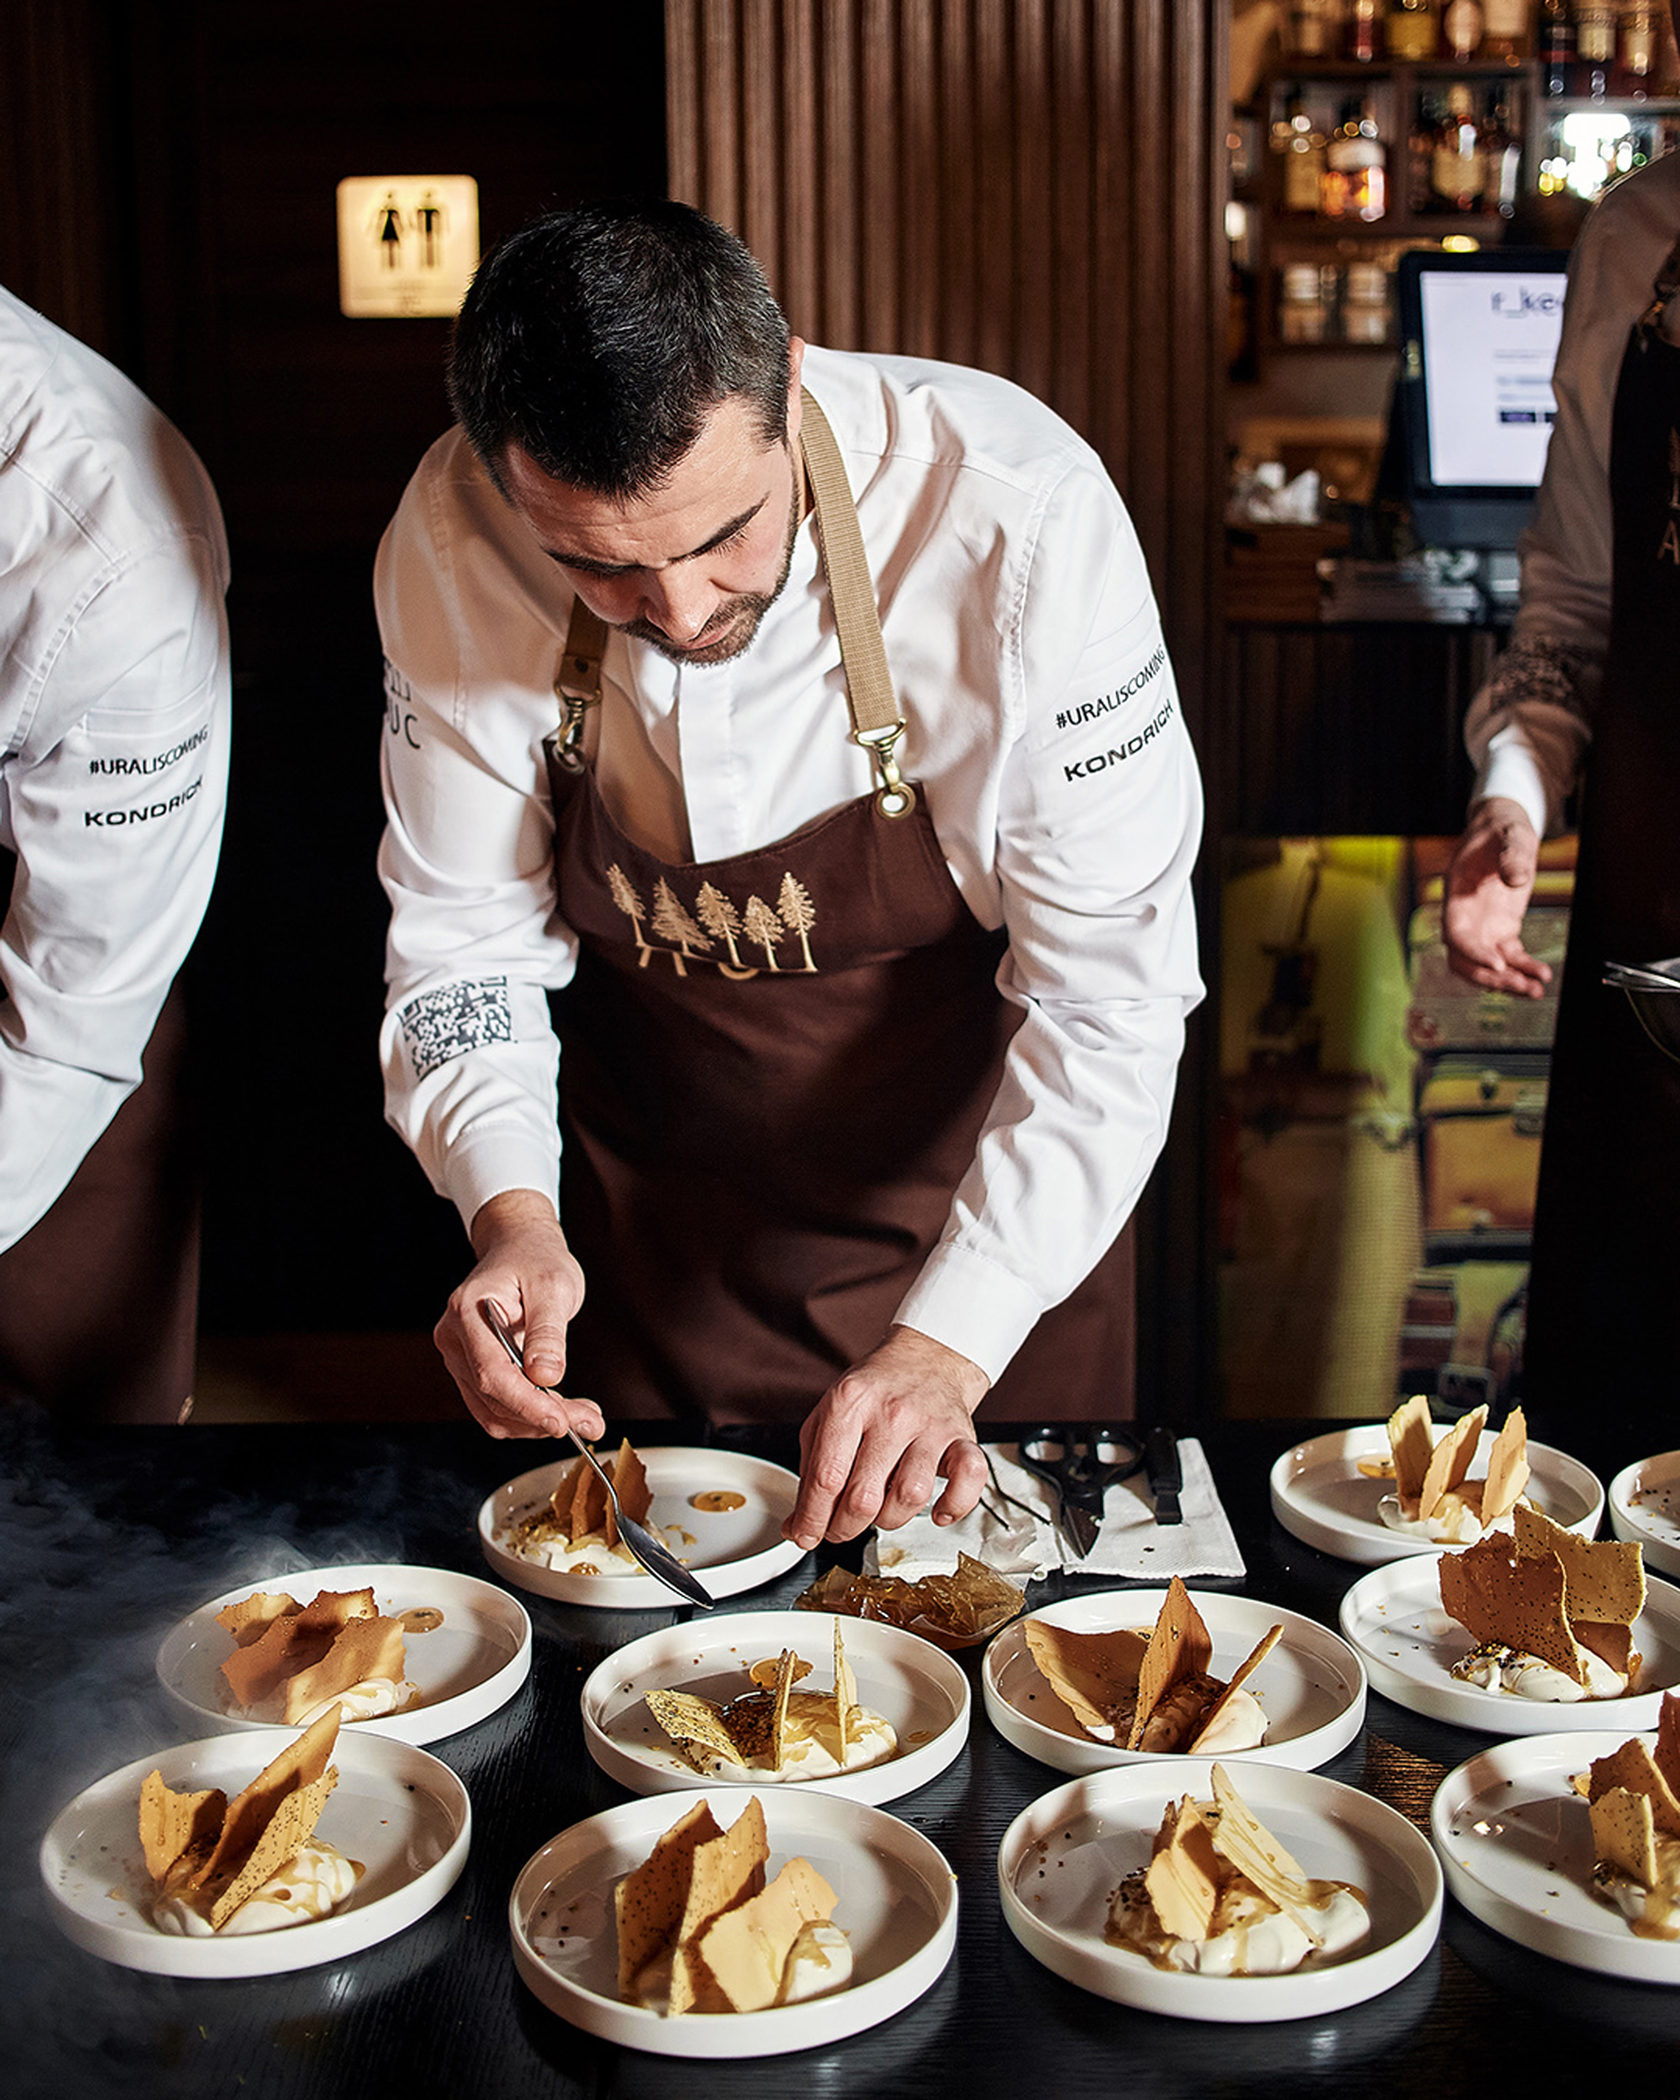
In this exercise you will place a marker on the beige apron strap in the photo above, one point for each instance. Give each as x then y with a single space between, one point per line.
876 721
577 683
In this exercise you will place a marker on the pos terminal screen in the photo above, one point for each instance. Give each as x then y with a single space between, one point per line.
1479 335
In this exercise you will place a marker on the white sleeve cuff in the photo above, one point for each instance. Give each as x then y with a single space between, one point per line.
489 1162
1511 769
971 1305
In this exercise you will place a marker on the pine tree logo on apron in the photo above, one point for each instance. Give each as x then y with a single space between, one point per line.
695 936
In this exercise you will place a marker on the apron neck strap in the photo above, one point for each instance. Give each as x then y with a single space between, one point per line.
876 722
577 682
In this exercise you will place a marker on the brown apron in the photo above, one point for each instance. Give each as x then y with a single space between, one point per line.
1601 1321
774 1071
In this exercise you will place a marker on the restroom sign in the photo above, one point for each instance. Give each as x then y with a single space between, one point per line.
407 244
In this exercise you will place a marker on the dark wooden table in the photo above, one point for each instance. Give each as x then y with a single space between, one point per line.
108 1537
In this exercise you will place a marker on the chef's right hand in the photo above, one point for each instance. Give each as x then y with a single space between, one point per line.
525 1266
1488 887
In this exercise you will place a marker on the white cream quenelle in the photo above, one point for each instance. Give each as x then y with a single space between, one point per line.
1499 1669
311 1885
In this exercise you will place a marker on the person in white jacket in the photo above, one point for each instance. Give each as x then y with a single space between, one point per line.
862 1071
114 719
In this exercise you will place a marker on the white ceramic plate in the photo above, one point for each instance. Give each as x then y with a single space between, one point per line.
1312 1685
908 1682
897 1901
1645 1507
730 1550
1319 1494
1062 1859
403 1815
1393 1617
1518 1852
466 1668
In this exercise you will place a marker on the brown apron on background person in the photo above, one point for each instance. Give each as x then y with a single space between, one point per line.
1603 1331
774 1071
99 1299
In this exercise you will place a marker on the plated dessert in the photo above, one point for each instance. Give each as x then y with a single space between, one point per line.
732 1697
1551 1614
1633 1799
1153 1692
294 1662
719 1512
252 1866
701 1931
1434 1497
1516 1642
773 1729
1222 1897
710 1925
407 1652
1167 1889
1328 1492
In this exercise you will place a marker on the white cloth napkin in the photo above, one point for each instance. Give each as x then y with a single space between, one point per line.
1013 1542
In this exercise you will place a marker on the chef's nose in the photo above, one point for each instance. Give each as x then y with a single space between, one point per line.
680 601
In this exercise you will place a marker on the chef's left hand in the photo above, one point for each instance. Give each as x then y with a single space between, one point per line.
873 1446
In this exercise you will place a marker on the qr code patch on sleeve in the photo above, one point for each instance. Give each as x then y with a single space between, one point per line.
447 1023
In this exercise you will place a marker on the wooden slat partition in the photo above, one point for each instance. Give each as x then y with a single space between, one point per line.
1034 187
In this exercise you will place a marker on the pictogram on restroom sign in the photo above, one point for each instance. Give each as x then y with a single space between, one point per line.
407 244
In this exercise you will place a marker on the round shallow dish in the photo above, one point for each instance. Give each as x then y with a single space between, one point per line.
1062 1859
730 1550
896 1899
466 1668
1517 1848
1645 1507
403 1815
1393 1618
908 1682
1319 1494
1312 1685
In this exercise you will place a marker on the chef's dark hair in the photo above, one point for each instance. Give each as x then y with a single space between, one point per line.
598 339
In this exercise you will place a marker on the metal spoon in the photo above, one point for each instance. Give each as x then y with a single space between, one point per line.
658 1560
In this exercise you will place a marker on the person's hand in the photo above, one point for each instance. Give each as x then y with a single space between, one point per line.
1487 891
525 1265
873 1446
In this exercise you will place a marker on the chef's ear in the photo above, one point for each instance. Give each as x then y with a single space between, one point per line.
796 363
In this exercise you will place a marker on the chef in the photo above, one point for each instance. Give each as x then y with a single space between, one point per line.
802 721
1586 688
114 706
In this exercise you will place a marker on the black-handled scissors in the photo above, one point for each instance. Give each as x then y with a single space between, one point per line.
1081 1461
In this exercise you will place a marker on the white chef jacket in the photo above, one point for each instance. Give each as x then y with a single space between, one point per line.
114 711
1529 726
1044 729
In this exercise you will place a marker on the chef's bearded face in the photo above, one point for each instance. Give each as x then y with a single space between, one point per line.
692 564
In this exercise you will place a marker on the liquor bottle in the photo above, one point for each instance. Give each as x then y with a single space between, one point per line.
1462 26
1557 46
1413 30
1355 180
1362 31
1501 158
1639 47
1303 161
1595 47
1457 170
1507 30
1312 28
